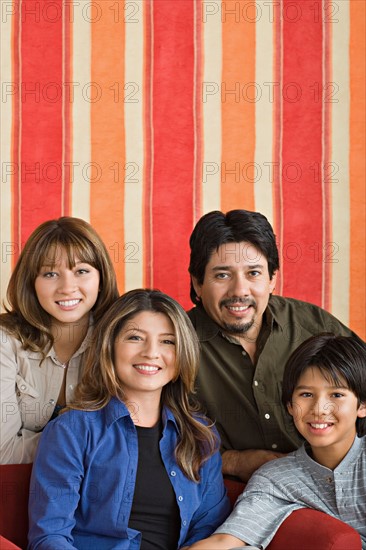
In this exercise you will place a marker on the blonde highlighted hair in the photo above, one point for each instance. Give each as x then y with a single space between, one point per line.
25 317
100 382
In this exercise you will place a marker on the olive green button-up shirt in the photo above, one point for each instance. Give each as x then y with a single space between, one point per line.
244 399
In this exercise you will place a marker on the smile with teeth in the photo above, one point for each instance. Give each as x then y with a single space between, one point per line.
68 303
321 426
147 368
237 308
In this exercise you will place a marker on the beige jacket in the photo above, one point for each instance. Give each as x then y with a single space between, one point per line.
29 392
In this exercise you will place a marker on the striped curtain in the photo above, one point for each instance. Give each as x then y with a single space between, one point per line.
141 115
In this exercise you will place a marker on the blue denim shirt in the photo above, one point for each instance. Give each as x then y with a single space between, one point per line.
83 483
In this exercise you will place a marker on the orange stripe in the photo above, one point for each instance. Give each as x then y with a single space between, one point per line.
357 167
238 93
107 95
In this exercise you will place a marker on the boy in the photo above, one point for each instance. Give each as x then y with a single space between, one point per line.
324 390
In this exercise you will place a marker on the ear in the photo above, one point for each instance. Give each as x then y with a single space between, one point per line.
197 287
290 408
273 281
361 412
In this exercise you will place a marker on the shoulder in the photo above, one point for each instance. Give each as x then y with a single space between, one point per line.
9 341
306 315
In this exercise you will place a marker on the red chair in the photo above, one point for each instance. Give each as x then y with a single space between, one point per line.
305 529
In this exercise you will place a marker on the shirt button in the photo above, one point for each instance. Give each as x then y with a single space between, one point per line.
180 498
267 416
256 382
244 352
173 473
71 387
274 446
22 387
184 522
51 401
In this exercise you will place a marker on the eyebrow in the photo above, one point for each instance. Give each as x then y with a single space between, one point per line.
328 387
228 267
135 329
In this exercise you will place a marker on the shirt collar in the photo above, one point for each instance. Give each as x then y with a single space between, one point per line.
349 459
116 409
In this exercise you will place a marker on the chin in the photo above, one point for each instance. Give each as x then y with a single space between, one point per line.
237 328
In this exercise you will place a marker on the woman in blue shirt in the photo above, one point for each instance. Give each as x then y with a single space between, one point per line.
132 465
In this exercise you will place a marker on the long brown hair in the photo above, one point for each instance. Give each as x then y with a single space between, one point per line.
25 318
100 382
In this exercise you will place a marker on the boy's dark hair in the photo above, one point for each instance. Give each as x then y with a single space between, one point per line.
216 228
337 357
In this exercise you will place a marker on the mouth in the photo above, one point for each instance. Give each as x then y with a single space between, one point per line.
147 369
68 303
237 308
320 426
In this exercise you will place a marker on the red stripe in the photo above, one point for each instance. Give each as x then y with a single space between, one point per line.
41 113
302 150
173 74
149 151
67 115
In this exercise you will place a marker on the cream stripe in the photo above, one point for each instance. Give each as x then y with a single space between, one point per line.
264 106
7 246
211 105
340 163
134 143
80 114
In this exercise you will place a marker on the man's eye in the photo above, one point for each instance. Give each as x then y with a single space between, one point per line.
254 273
222 275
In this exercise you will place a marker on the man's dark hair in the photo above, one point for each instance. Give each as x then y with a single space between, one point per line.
216 228
339 359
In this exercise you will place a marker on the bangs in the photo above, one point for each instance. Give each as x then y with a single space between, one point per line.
48 253
333 376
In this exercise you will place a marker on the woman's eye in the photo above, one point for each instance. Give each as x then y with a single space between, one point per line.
82 271
49 274
134 337
169 342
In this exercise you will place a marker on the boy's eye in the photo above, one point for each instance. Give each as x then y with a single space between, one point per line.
306 394
337 394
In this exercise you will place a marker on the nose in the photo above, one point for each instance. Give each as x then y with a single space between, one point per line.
239 286
151 349
67 283
321 407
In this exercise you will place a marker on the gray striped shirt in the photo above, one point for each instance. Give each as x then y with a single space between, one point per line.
297 481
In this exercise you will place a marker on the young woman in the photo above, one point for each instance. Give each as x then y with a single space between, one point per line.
135 465
63 281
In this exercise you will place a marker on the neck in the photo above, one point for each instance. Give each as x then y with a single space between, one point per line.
145 410
331 457
68 338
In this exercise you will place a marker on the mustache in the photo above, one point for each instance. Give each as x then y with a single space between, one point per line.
235 301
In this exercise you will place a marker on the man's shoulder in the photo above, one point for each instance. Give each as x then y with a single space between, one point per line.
309 316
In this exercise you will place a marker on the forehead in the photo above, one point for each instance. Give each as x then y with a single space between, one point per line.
151 322
316 377
237 254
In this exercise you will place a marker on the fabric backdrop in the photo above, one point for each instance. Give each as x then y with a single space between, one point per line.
141 115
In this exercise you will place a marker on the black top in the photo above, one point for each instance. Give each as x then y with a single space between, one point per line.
154 509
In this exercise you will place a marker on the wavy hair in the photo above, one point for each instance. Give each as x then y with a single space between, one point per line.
25 318
99 383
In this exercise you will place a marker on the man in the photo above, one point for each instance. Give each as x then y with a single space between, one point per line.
246 336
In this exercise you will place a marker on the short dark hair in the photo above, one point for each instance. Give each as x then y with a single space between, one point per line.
216 228
337 357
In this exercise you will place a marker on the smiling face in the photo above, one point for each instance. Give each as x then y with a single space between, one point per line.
325 414
144 355
236 288
67 293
